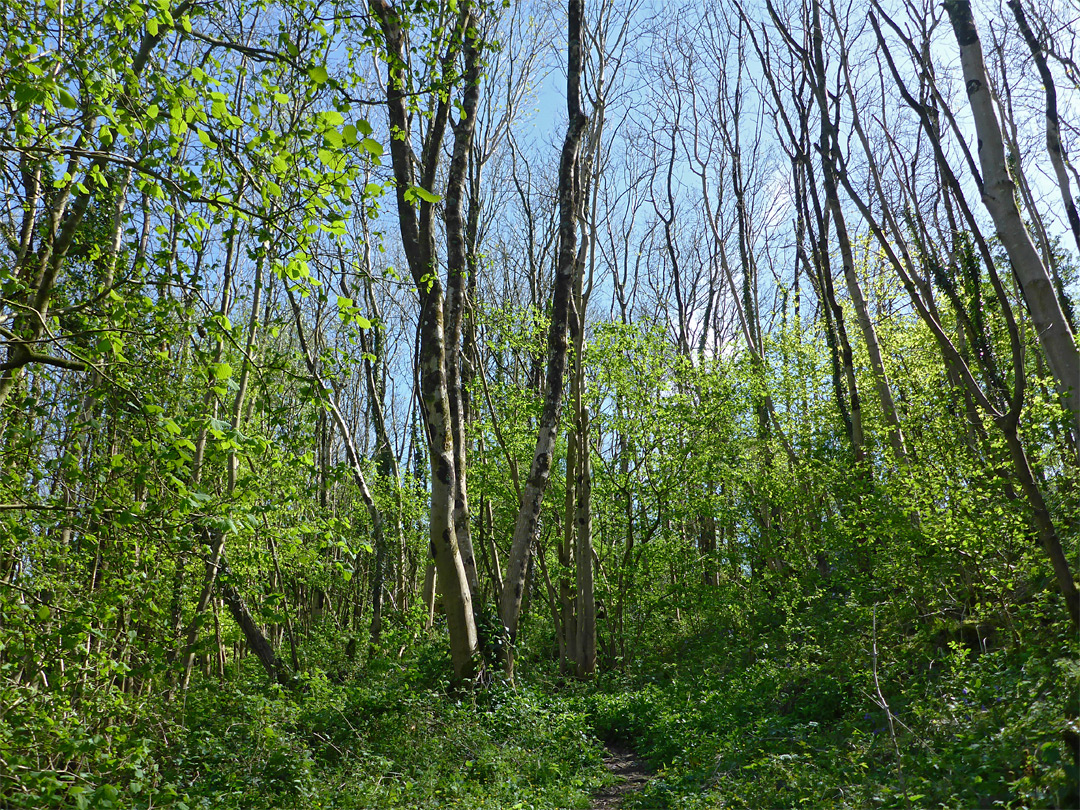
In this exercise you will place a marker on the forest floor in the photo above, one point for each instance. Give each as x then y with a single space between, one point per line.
631 772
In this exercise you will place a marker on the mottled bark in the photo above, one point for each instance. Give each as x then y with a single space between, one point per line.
417 235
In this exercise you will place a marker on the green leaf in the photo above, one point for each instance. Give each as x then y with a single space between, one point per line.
331 118
413 192
67 99
318 74
221 371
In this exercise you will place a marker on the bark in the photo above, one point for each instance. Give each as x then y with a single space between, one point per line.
445 551
253 634
417 235
456 280
527 524
998 194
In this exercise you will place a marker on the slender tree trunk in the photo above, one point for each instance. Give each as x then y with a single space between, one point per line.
205 594
1054 148
830 148
568 264
456 281
579 505
998 194
586 595
1048 535
216 539
351 451
567 559
428 595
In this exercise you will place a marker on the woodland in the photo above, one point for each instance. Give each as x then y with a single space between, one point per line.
403 403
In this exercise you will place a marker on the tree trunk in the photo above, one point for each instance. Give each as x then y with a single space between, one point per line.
1048 535
417 236
830 148
998 194
528 519
253 635
586 595
456 272
567 559
429 595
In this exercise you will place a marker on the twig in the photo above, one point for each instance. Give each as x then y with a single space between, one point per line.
888 714
35 597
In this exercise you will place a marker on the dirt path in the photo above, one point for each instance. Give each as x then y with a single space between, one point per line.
629 770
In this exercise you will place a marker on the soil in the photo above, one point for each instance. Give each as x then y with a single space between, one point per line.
631 773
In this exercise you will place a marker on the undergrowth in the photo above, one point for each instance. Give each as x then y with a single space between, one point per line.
391 734
783 716
766 706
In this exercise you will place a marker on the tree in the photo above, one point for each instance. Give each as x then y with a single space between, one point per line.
569 263
998 192
439 334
